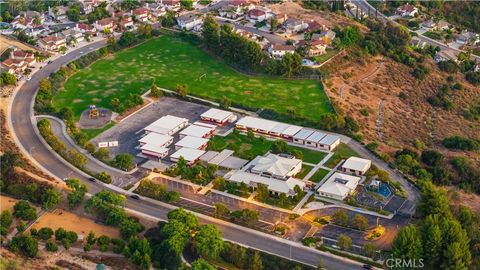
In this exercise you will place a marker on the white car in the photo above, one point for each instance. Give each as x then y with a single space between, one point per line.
29 78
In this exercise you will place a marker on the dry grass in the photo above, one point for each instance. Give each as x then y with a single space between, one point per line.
6 43
7 203
72 222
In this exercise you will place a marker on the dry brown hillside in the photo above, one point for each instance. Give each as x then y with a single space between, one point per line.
369 89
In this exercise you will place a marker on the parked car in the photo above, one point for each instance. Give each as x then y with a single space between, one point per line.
367 266
91 179
135 197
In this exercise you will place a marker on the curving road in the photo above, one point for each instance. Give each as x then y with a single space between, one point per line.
23 125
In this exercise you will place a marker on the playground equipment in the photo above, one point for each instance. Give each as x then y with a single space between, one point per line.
93 111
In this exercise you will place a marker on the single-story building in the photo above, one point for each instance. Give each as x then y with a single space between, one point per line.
190 155
197 131
217 116
52 42
157 139
356 165
275 166
192 142
190 21
279 50
267 127
168 125
407 10
224 159
314 139
302 135
338 186
141 14
329 142
153 150
203 124
292 26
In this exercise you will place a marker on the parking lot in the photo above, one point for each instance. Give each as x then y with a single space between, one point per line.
129 131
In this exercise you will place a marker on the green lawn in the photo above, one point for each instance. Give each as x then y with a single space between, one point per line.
318 175
170 61
247 148
342 151
322 58
305 170
93 132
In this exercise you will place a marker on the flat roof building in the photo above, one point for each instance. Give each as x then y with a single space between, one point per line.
267 127
275 186
168 125
224 159
197 131
356 165
338 186
302 135
329 142
190 155
315 138
217 116
157 139
155 151
191 142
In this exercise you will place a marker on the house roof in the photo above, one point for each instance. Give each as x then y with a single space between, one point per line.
154 148
303 134
188 154
316 136
192 142
274 164
256 12
281 47
339 184
166 124
280 186
221 156
218 115
140 11
257 123
314 26
105 21
329 139
155 139
196 131
357 164
84 26
188 17
407 8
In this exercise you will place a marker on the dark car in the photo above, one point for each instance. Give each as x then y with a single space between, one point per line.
367 266
135 197
91 179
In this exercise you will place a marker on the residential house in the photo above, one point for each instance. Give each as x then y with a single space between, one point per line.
444 56
407 10
418 43
314 26
230 11
258 14
18 61
317 47
103 24
263 42
429 24
58 13
85 29
87 6
124 20
468 38
279 50
280 18
326 36
72 36
170 5
294 26
190 21
477 67
31 15
156 10
37 31
442 25
52 42
141 14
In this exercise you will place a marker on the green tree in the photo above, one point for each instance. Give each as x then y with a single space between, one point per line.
221 210
102 153
360 222
433 201
45 233
208 241
201 264
8 78
340 217
6 220
50 198
23 210
431 240
407 244
256 262
262 192
344 242
369 250
76 158
129 227
181 90
155 91
139 251
66 113
103 243
76 196
211 33
454 258
24 244
51 246
186 4
123 161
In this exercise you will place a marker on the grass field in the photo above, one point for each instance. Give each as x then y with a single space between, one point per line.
247 148
170 61
305 170
342 151
318 175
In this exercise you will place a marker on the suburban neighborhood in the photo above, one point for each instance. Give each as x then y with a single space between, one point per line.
239 134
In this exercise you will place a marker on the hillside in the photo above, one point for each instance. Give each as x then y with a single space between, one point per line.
370 90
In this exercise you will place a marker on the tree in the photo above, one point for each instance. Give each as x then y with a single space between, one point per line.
431 240
244 189
139 251
155 91
129 227
211 33
340 217
208 241
76 158
283 200
45 233
123 161
25 244
181 90
344 242
127 39
407 245
145 30
256 262
8 79
23 210
221 210
51 246
262 192
115 104
369 250
75 197
102 153
6 220
360 222
351 35
432 158
90 147
103 243
201 264
433 201
454 258
186 4
50 198
62 49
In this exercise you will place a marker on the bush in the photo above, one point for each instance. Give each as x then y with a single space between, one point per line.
24 244
45 233
104 177
457 142
51 246
23 210
123 161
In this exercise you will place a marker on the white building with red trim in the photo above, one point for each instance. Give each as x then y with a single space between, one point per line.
219 117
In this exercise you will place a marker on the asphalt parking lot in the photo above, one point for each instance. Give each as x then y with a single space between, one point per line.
129 131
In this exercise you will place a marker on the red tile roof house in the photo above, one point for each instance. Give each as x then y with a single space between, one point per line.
141 14
85 29
124 20
52 42
18 61
107 23
314 26
258 14
407 10
314 48
156 10
170 4
279 50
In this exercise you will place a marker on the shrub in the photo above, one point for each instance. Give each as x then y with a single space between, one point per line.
51 246
22 209
45 233
457 142
104 177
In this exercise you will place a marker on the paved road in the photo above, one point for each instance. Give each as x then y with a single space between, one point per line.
23 125
363 4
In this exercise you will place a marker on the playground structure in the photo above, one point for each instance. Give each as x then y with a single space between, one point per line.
94 117
93 112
